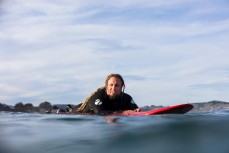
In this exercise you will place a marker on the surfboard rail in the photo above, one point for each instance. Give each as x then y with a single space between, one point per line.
175 109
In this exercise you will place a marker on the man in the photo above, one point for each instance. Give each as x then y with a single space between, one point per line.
110 99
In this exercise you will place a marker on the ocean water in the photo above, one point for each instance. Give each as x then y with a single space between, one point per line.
202 132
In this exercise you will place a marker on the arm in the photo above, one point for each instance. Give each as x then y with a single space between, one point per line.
97 106
132 107
127 112
98 103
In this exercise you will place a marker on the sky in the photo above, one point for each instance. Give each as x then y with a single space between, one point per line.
168 52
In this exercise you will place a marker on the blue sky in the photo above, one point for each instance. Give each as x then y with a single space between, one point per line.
169 52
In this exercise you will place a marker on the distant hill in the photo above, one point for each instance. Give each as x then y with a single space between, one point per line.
198 107
210 106
4 107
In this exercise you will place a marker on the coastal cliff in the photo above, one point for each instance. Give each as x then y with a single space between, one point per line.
46 106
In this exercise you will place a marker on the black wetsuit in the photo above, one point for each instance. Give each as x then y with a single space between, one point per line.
99 103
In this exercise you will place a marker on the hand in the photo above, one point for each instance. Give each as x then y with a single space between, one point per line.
137 110
127 112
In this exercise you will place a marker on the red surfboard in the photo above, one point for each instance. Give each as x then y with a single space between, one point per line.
176 109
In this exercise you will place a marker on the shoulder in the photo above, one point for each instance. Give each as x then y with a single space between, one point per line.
98 92
126 95
130 100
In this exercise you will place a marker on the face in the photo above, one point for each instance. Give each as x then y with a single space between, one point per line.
114 87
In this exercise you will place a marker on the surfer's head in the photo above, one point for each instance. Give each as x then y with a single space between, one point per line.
114 84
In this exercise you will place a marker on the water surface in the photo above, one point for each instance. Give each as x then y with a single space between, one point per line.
203 132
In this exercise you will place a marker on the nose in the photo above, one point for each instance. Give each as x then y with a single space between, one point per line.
113 87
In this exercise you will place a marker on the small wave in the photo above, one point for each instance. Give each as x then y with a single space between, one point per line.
71 119
68 118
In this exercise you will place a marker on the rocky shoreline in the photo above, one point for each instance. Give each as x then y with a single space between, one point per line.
199 106
210 106
47 106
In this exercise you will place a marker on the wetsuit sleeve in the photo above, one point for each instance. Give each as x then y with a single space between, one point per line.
132 104
96 104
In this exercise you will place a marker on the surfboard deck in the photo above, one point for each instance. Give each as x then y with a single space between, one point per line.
176 109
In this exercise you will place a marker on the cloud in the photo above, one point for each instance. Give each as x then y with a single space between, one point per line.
61 51
218 86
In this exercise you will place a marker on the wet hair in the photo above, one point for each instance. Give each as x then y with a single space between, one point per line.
117 76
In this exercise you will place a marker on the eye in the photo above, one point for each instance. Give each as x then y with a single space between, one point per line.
117 85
